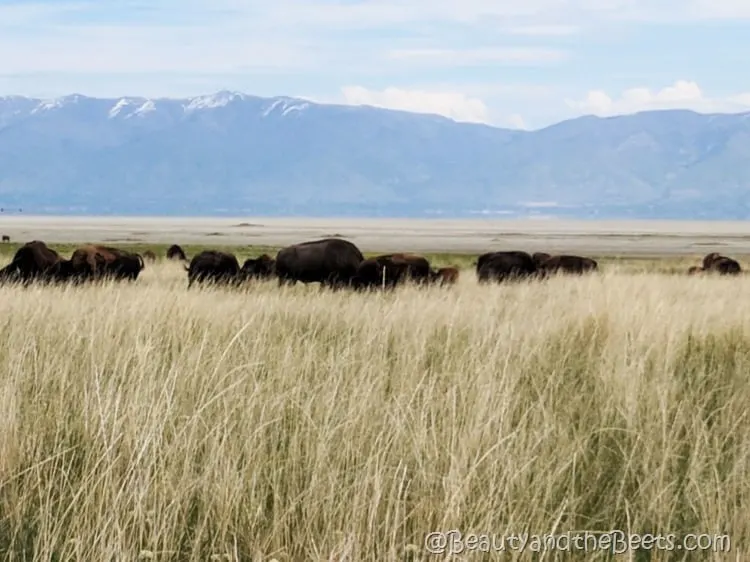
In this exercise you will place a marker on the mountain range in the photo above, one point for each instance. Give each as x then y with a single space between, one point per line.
235 154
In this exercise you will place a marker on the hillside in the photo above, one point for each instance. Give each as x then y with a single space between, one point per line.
238 154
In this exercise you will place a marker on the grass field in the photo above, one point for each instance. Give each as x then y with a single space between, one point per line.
148 422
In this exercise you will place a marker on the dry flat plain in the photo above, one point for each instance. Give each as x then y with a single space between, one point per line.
147 422
622 238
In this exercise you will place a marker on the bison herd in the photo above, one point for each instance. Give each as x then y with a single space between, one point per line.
332 262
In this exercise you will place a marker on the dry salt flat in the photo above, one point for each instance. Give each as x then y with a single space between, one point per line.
625 238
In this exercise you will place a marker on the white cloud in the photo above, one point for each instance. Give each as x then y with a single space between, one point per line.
547 15
551 17
448 103
719 9
544 30
683 94
389 12
453 105
474 56
514 121
231 36
31 12
154 49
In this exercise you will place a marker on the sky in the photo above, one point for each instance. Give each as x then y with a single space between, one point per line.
510 63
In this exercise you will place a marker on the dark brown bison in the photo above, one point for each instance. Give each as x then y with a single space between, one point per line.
331 262
502 266
213 266
390 270
566 264
726 266
93 262
149 256
709 259
446 276
32 261
174 252
6 238
125 266
722 265
262 267
417 268
539 257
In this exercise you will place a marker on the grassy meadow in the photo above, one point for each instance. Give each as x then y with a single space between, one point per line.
147 422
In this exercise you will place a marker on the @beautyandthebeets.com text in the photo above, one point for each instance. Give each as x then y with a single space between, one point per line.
615 542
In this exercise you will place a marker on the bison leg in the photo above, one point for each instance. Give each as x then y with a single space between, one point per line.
284 281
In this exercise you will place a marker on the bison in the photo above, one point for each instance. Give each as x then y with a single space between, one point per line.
390 270
540 257
446 276
501 266
174 252
262 267
566 264
125 266
6 238
726 266
331 262
694 270
32 261
722 265
150 256
93 262
416 268
213 266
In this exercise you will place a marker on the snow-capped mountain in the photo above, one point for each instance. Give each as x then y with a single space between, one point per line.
250 154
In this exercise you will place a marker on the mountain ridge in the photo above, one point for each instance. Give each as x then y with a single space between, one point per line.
285 155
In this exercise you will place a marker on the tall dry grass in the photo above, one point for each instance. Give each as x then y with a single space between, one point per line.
148 422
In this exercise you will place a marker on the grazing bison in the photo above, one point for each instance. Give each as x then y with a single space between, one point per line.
540 257
726 266
566 264
174 252
416 268
501 266
32 261
6 238
125 266
392 269
446 276
150 256
723 265
213 266
709 259
261 267
92 262
331 262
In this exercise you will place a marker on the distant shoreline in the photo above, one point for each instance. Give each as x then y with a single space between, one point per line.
474 235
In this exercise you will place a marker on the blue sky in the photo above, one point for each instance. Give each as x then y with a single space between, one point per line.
513 63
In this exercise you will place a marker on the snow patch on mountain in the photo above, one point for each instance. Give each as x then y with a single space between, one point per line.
131 107
57 103
219 99
118 107
47 105
298 107
286 106
147 107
